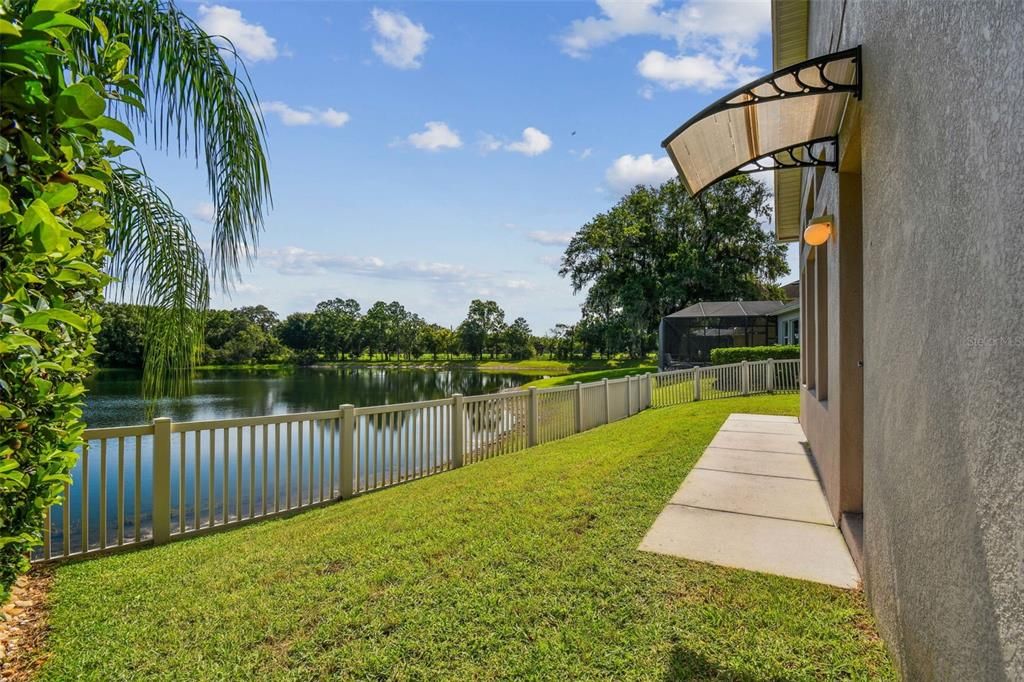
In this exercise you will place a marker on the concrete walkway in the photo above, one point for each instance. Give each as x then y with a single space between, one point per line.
753 501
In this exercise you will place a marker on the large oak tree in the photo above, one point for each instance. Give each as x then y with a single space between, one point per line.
659 250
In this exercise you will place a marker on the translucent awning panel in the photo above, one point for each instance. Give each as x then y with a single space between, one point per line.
785 120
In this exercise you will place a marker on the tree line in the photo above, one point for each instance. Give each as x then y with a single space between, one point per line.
337 329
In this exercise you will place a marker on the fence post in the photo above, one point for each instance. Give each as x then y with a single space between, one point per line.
696 383
533 407
348 446
458 424
629 396
745 377
161 480
770 381
650 391
579 407
607 403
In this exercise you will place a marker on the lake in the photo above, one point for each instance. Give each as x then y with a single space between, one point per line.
111 494
115 397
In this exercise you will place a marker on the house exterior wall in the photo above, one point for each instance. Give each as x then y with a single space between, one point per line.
831 406
939 148
784 321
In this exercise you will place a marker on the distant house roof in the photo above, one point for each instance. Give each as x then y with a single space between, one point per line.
790 307
730 309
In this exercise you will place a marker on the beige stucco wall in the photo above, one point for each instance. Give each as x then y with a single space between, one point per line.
942 148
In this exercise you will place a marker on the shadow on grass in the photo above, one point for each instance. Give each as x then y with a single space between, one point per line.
685 665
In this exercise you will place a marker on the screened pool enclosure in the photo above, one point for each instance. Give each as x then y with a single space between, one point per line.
686 337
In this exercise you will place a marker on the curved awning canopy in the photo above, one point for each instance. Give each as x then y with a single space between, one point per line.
788 119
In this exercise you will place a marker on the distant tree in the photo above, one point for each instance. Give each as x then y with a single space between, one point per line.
261 316
518 337
607 331
222 326
296 332
385 329
564 341
450 342
407 331
242 336
121 341
658 250
541 345
243 348
479 331
431 339
335 326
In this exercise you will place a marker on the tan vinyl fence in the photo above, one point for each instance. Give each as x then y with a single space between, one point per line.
146 485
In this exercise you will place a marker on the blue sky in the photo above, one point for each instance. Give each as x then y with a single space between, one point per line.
425 152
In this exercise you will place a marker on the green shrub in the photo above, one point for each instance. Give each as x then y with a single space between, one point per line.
726 356
54 170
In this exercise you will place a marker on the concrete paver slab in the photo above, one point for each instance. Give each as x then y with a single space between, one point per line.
781 418
753 462
798 550
754 426
763 442
781 498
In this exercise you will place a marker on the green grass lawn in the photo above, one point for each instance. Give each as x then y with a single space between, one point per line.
521 567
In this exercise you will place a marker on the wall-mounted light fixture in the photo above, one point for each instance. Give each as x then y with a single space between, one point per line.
818 230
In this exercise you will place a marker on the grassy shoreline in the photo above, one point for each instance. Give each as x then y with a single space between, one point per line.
593 375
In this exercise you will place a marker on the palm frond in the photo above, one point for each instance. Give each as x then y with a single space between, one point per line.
159 265
204 105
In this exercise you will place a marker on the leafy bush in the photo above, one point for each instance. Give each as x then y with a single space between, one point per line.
726 356
54 169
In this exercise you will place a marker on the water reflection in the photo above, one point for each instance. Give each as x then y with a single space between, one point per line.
114 396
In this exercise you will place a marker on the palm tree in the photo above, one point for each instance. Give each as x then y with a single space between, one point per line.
198 101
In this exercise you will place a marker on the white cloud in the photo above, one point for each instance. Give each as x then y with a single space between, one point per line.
437 135
700 71
205 211
400 42
306 116
550 238
629 171
296 261
251 40
647 92
334 118
533 142
489 143
698 23
582 154
711 38
244 288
